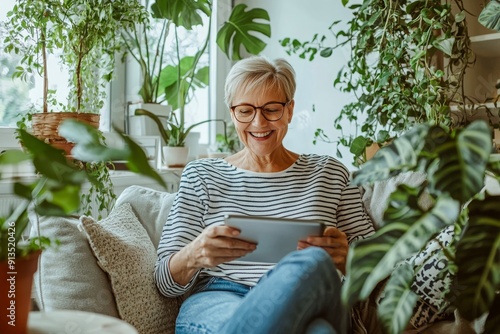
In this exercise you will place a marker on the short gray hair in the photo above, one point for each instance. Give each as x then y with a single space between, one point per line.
258 72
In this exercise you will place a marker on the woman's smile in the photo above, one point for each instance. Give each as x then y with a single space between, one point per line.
260 134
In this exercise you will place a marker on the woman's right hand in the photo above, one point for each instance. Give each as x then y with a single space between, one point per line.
215 245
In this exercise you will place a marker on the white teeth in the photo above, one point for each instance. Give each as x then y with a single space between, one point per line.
260 134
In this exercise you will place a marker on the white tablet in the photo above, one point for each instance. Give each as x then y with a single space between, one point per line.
275 237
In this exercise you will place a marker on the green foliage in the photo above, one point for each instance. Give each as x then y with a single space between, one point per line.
395 69
175 133
240 31
56 191
176 80
229 141
90 147
479 274
490 15
80 33
456 163
101 190
397 306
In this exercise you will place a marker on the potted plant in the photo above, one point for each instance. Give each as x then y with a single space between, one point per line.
54 192
226 144
176 82
406 66
456 164
80 34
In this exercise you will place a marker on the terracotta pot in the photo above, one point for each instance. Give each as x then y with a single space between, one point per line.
45 126
15 292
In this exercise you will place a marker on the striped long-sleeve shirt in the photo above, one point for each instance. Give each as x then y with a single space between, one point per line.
314 187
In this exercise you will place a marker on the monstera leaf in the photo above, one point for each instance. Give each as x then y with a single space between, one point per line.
181 12
490 15
239 31
182 90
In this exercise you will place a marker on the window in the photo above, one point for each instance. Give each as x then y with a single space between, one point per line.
18 96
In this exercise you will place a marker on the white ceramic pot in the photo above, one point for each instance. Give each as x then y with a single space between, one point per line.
175 156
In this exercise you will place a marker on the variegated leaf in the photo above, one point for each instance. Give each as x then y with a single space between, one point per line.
407 230
478 258
462 161
399 300
493 320
399 156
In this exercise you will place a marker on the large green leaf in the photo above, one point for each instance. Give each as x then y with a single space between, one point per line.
240 31
493 320
187 84
478 258
89 147
490 15
13 157
462 161
63 200
51 162
407 230
185 13
396 308
399 156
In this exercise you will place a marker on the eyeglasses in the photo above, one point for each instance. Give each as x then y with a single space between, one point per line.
271 111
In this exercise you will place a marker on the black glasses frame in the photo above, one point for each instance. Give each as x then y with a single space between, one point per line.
283 104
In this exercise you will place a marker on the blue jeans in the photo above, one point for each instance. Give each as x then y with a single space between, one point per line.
301 294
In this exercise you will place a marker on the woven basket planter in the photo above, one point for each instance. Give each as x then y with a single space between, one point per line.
45 126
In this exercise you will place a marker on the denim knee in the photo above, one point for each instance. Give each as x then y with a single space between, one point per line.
312 260
320 326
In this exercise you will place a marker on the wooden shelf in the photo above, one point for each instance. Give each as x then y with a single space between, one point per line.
489 105
487 45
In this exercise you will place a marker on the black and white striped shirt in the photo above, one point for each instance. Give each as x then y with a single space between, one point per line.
314 187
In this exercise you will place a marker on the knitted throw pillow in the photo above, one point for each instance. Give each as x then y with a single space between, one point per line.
125 252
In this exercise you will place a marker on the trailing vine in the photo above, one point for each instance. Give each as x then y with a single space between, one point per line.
100 196
407 64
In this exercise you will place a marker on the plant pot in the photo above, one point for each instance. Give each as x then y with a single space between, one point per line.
45 126
143 125
175 156
15 292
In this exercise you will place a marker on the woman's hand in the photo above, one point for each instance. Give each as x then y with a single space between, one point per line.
334 241
215 245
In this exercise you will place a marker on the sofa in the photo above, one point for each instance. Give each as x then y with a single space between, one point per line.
106 266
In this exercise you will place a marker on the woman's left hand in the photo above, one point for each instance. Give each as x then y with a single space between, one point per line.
334 242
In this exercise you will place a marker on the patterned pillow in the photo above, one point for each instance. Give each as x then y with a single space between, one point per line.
125 252
431 282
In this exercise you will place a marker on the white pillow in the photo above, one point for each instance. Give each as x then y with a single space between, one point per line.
68 277
124 250
150 206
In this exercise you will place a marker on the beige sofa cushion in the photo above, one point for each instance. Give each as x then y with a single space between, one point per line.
68 277
150 206
125 252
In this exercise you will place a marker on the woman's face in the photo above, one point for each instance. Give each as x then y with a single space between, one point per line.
260 136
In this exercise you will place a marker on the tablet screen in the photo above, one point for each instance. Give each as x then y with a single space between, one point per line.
275 237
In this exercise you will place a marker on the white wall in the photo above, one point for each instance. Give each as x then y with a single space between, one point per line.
302 19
